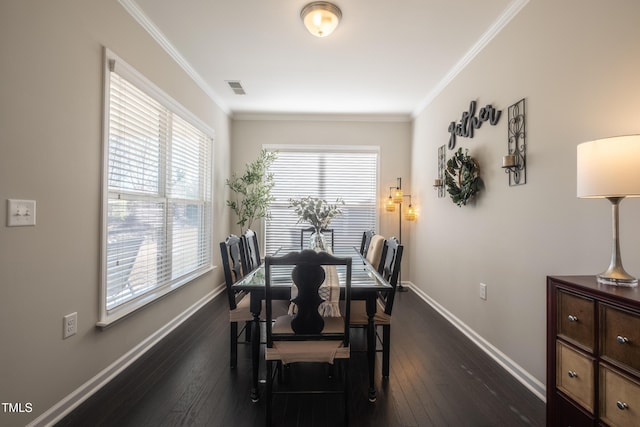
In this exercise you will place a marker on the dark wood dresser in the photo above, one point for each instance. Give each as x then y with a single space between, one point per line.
593 353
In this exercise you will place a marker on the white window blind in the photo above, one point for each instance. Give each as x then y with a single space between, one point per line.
157 213
329 174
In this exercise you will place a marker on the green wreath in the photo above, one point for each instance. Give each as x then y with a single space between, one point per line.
468 181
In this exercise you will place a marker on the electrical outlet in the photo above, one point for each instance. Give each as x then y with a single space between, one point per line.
21 212
69 325
483 291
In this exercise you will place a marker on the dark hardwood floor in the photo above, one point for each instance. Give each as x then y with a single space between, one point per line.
437 378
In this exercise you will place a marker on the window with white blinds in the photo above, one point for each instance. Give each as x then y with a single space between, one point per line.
157 194
328 173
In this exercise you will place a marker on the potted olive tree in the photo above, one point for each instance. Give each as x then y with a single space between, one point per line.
251 191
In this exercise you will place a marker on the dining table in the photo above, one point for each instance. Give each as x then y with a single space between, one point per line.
366 284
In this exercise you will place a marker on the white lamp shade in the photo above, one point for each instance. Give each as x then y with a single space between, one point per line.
609 167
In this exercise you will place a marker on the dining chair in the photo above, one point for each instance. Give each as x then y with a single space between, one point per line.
233 265
251 249
389 268
305 234
306 337
374 253
366 241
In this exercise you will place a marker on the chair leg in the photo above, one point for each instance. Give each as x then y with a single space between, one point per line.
233 360
269 392
346 391
386 347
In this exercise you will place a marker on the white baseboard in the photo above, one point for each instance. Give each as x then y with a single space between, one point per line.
524 377
86 390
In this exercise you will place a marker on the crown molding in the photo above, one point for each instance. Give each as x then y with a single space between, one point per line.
509 13
322 117
134 10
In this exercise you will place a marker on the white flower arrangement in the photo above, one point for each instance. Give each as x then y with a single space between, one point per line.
317 212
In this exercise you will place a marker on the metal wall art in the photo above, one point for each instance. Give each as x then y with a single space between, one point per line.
469 122
438 184
515 163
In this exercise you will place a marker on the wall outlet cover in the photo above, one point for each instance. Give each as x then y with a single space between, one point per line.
21 213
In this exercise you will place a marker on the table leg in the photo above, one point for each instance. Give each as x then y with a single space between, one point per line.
255 357
371 347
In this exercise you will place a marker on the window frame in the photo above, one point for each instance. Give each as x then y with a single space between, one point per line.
108 316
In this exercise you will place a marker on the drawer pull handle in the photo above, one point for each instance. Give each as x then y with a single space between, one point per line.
572 374
621 405
622 340
572 318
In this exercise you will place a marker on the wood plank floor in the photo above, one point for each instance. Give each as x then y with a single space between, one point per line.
437 378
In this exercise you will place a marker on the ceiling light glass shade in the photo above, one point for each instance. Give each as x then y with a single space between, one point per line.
609 167
390 206
321 17
397 195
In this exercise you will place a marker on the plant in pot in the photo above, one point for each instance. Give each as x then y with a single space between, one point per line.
251 191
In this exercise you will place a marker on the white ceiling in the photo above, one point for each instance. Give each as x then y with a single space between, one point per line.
385 58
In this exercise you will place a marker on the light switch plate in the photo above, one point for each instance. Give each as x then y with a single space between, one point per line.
21 212
483 291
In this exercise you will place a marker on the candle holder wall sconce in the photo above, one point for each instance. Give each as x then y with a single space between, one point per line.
515 163
438 183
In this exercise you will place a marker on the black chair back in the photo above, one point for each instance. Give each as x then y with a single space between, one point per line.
252 250
366 241
308 275
233 265
390 269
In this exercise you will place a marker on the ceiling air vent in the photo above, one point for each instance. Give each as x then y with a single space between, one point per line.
236 87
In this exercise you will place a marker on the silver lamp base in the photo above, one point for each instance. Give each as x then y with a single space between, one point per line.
616 281
615 274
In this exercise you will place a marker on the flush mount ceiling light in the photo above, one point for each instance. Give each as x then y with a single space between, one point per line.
321 17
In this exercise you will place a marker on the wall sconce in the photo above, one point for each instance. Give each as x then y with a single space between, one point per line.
515 163
438 183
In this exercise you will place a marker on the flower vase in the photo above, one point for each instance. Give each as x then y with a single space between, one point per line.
317 241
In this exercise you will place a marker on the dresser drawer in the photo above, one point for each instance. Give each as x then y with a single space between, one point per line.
619 399
576 316
575 375
620 334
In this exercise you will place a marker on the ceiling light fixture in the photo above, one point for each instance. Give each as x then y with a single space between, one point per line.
321 17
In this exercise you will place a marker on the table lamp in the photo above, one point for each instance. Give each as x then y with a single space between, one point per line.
610 168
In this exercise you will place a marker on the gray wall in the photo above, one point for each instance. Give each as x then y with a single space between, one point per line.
576 62
50 151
